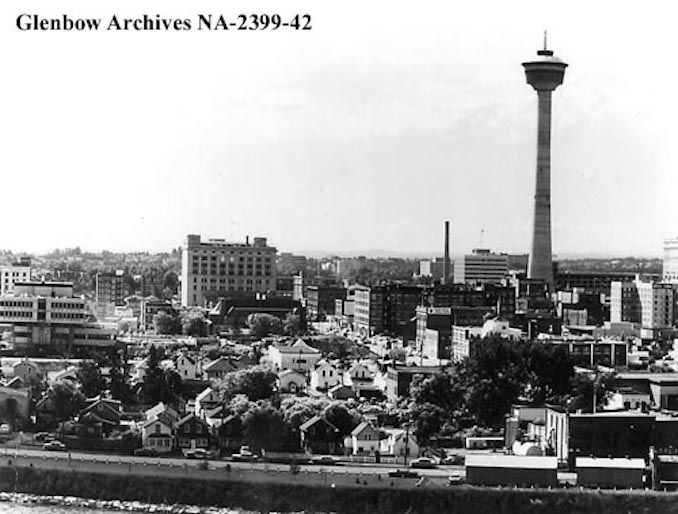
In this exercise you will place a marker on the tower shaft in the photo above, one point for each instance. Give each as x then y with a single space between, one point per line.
540 262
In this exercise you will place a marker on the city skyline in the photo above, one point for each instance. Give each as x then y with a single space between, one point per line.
366 132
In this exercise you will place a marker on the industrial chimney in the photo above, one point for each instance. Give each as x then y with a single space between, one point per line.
446 263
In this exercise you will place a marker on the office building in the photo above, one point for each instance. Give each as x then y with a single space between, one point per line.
112 287
215 268
45 318
670 268
481 267
17 272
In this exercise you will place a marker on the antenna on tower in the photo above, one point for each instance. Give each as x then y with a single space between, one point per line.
545 39
482 238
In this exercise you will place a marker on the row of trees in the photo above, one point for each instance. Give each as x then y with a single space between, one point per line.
189 322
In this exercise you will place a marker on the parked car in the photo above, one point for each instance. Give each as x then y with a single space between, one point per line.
325 460
455 478
403 473
54 446
40 436
198 453
245 455
423 463
146 452
5 429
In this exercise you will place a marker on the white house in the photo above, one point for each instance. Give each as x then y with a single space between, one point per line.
189 367
325 376
358 373
206 400
399 443
292 381
156 434
364 439
299 356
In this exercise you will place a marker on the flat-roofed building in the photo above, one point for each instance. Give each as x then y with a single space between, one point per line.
670 264
215 268
480 267
16 272
46 317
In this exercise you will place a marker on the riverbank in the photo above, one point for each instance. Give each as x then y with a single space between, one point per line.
274 497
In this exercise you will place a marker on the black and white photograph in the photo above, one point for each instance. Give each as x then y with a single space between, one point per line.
378 257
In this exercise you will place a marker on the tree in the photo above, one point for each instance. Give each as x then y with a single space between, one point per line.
341 417
586 385
92 383
117 379
257 383
292 325
164 323
66 401
262 325
159 385
193 323
298 410
265 428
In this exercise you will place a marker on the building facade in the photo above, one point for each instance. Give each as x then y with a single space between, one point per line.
670 265
214 268
481 267
112 287
17 272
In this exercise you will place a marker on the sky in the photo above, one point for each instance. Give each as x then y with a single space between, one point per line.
366 132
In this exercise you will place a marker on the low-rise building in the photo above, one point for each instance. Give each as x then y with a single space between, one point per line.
325 376
298 356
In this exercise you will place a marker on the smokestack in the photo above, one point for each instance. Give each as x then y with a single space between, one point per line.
446 263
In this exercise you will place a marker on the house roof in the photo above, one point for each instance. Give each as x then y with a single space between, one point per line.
220 364
159 409
296 349
15 382
364 427
483 460
188 418
206 392
290 372
187 357
314 420
165 422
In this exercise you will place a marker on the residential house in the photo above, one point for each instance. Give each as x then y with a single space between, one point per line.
15 406
365 439
188 366
341 392
163 411
101 410
208 399
157 434
299 356
217 369
319 436
292 381
191 433
229 434
27 370
399 442
325 376
70 375
359 372
216 416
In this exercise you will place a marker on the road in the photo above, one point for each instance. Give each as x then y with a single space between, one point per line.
348 474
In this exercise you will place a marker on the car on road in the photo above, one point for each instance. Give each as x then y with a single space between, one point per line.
455 478
54 446
198 453
423 463
325 460
146 452
403 473
245 455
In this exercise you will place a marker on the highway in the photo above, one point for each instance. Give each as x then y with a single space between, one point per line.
353 474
